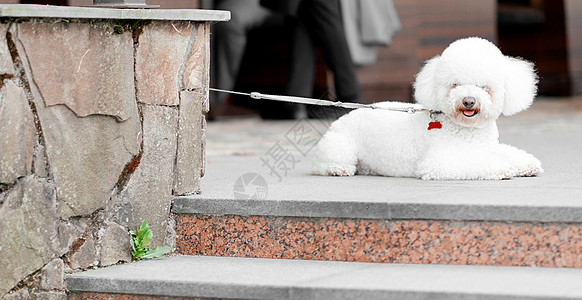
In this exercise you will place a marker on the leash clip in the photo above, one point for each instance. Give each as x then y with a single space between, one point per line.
434 113
256 95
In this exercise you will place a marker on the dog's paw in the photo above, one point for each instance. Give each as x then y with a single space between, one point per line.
341 173
334 170
529 167
338 170
517 162
532 171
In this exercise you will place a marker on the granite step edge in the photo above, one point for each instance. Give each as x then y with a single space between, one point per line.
251 278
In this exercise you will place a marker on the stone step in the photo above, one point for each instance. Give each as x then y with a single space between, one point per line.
520 222
252 278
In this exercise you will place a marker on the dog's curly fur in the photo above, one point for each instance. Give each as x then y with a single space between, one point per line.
471 83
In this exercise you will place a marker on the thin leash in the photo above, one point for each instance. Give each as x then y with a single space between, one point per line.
320 102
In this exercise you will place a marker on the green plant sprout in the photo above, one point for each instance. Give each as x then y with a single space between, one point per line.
140 241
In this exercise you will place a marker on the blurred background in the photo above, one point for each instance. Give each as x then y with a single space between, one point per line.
549 33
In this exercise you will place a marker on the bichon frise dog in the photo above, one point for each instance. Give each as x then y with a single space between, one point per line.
466 89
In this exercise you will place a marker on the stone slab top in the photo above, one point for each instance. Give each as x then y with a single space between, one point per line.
75 12
253 278
548 198
555 196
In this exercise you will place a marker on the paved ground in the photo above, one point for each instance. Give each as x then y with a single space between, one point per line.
247 278
551 130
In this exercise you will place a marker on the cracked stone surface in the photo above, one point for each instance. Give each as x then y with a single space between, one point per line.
203 150
69 232
39 162
17 133
160 56
52 276
148 193
86 155
188 162
6 66
195 76
52 295
28 227
83 253
17 295
115 244
65 56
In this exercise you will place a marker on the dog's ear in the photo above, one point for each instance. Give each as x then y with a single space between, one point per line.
425 84
520 85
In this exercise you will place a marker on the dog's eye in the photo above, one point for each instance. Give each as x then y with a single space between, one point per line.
486 88
454 85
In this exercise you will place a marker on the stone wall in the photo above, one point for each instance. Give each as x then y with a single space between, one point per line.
101 124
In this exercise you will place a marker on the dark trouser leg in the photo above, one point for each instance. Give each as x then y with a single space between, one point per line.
323 21
300 75
301 63
231 39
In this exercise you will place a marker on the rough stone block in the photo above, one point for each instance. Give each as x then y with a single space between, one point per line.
170 239
17 132
83 253
52 295
203 152
6 65
148 193
206 103
86 67
86 155
197 63
52 275
28 227
188 161
115 245
68 233
21 294
205 91
39 162
159 60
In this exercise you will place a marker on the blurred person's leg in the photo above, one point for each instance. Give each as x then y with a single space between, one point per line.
231 39
302 61
322 19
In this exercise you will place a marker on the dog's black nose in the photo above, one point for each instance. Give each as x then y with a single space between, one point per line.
469 102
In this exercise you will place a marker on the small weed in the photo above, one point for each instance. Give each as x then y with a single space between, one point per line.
140 241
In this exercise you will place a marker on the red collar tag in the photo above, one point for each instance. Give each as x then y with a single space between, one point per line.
435 125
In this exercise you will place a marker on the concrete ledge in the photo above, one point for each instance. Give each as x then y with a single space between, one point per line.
72 12
552 197
246 278
367 209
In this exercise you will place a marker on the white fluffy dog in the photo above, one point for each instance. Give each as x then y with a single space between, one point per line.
468 87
